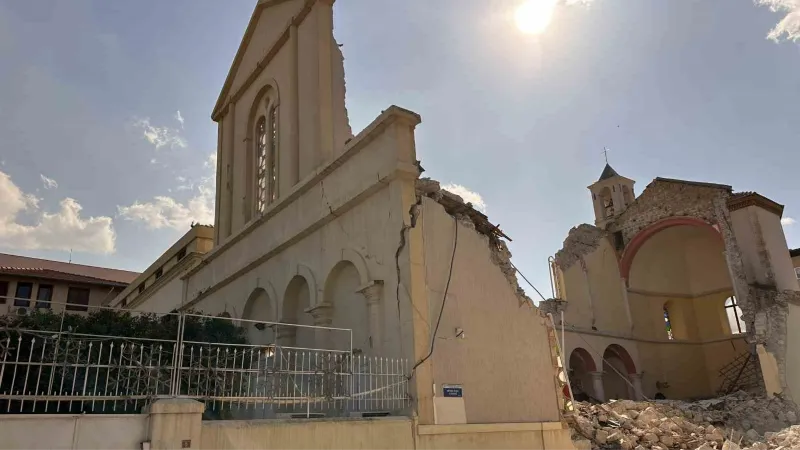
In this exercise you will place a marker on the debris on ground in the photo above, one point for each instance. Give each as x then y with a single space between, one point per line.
737 421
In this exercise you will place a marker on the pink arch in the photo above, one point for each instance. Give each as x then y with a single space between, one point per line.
642 236
585 357
620 352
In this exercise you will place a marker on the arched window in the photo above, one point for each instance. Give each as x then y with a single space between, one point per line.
607 203
667 323
261 165
273 154
734 313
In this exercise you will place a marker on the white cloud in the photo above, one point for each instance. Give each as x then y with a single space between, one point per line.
160 136
789 26
179 117
62 230
468 195
786 221
49 183
166 212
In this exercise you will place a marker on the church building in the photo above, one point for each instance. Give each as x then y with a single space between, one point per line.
684 291
316 226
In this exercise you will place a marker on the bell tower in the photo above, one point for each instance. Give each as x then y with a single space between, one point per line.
611 194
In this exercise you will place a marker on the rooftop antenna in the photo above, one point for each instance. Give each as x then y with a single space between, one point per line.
70 256
605 153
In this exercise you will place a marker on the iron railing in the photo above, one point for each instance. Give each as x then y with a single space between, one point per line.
62 370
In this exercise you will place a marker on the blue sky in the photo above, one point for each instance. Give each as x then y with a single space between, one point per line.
95 157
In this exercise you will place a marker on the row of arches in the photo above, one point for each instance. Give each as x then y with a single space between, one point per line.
616 378
346 302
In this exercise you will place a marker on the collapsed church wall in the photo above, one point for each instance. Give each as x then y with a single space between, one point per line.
488 341
754 266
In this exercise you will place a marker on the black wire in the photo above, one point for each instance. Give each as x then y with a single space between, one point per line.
526 280
444 300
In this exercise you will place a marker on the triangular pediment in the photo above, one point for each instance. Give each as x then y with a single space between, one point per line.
268 26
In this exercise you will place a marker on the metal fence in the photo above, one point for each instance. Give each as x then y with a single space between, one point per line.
65 365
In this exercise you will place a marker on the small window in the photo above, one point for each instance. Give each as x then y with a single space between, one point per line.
668 324
3 292
23 295
44 295
797 272
141 288
181 253
77 299
159 272
734 313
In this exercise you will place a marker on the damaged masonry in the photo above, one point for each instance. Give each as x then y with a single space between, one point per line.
685 291
473 219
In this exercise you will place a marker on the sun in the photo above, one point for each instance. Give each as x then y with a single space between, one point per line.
533 16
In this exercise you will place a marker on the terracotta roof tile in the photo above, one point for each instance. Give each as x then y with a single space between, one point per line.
49 274
97 273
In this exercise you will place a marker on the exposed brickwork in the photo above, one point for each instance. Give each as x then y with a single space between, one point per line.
764 308
662 199
580 241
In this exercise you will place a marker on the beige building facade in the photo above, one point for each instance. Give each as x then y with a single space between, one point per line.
685 291
317 226
28 284
159 288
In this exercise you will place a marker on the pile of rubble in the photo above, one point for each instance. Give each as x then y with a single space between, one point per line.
736 421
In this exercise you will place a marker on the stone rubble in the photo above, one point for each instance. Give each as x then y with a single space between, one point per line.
739 421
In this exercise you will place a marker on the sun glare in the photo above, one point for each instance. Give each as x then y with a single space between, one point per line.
533 16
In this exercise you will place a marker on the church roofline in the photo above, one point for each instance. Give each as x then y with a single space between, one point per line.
608 172
223 98
744 199
696 183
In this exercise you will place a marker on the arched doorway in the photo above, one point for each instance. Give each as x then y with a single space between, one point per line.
349 308
618 368
296 301
259 308
581 366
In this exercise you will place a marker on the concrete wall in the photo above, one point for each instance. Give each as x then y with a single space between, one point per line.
384 433
45 432
177 423
503 358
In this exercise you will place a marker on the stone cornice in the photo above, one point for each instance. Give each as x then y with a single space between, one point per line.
753 199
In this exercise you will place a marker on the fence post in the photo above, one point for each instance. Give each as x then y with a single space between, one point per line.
177 357
175 423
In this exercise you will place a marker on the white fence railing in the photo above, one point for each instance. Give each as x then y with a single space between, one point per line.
61 363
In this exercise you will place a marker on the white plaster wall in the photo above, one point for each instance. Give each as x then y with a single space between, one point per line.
503 361
743 225
775 241
39 431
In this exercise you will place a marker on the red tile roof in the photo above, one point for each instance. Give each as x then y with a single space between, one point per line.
98 274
